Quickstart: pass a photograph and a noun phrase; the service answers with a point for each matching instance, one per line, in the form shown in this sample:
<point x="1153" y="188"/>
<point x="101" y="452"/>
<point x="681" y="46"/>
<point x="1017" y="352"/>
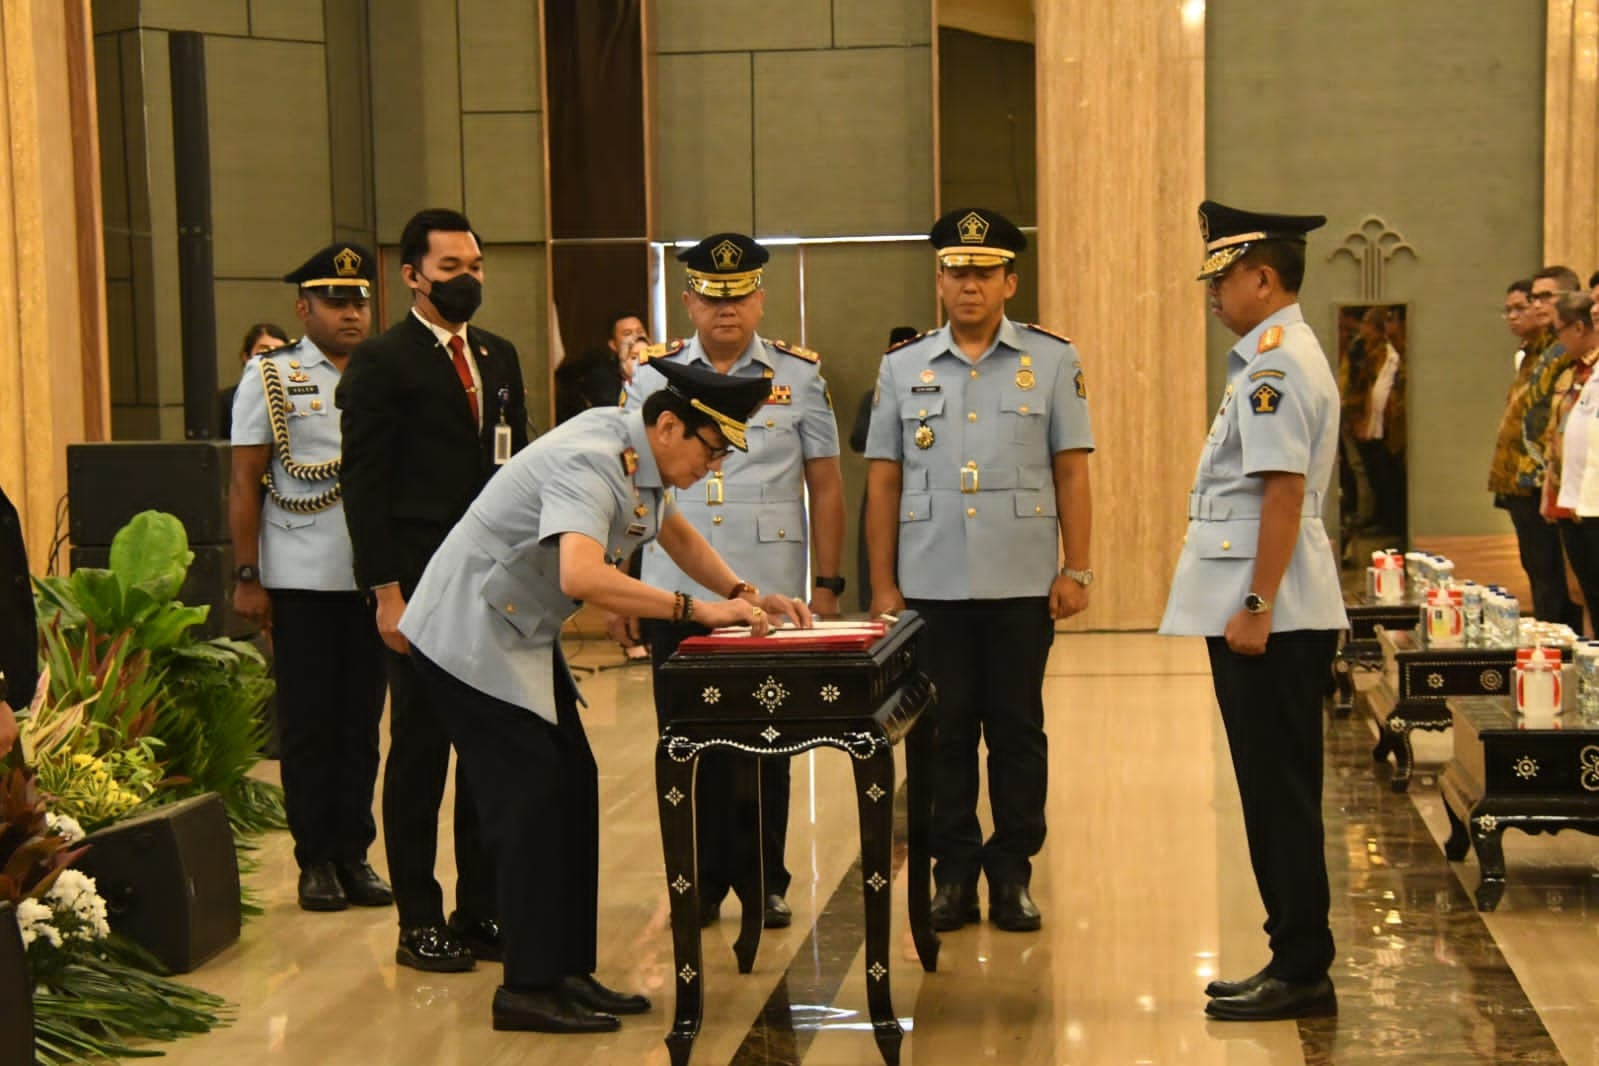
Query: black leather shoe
<point x="482" y="937"/>
<point x="319" y="889"/>
<point x="1013" y="909"/>
<point x="953" y="907"/>
<point x="777" y="915"/>
<point x="548" y="1010"/>
<point x="433" y="948"/>
<point x="1272" y="999"/>
<point x="362" y="885"/>
<point x="587" y="992"/>
<point x="1217" y="989"/>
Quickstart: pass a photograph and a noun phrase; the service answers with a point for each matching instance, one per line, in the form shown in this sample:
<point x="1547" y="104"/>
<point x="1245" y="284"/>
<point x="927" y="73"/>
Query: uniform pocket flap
<point x="922" y="405"/>
<point x="288" y="519"/>
<point x="512" y="600"/>
<point x="915" y="506"/>
<point x="780" y="525"/>
<point x="1035" y="505"/>
<point x="1023" y="403"/>
<point x="1224" y="540"/>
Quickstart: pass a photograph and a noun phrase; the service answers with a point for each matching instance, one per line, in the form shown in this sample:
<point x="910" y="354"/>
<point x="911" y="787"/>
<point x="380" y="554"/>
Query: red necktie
<point x="464" y="372"/>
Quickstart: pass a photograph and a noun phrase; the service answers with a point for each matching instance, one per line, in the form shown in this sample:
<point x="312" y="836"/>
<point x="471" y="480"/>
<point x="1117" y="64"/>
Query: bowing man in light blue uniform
<point x="296" y="576"/>
<point x="753" y="513"/>
<point x="484" y="628"/>
<point x="978" y="488"/>
<point x="1257" y="578"/>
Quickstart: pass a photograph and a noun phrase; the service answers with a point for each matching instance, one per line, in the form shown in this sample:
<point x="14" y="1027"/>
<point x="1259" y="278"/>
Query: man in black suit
<point x="19" y="632"/>
<point x="430" y="409"/>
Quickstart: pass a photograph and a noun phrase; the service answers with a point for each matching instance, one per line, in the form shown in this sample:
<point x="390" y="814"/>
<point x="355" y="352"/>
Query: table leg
<point x="874" y="797"/>
<point x="1485" y="839"/>
<point x="674" y="787"/>
<point x="1459" y="842"/>
<point x="1404" y="759"/>
<point x="919" y="832"/>
<point x="1343" y="686"/>
<point x="750" y="881"/>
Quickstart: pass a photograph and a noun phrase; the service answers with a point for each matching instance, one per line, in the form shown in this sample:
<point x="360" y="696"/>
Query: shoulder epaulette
<point x="660" y="351"/>
<point x="1269" y="340"/>
<point x="796" y="351"/>
<point x="909" y="340"/>
<point x="1036" y="328"/>
<point x="291" y="348"/>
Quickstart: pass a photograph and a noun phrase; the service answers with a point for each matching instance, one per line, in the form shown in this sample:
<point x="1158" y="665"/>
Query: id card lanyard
<point x="502" y="432"/>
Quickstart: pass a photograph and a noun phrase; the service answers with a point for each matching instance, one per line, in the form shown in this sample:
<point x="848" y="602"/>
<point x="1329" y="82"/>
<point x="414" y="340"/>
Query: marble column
<point x="53" y="373"/>
<point x="1571" y="136"/>
<point x="1121" y="171"/>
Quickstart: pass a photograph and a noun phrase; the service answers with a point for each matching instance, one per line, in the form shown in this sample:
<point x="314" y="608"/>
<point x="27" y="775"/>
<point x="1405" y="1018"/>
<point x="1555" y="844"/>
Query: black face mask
<point x="458" y="299"/>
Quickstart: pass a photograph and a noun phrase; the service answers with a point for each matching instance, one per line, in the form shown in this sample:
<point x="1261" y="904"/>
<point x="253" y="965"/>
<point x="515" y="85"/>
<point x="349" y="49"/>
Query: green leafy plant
<point x="119" y="639"/>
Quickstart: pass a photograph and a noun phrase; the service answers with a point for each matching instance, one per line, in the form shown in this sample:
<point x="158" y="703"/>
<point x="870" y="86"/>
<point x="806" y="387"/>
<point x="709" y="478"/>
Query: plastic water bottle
<point x="1471" y="607"/>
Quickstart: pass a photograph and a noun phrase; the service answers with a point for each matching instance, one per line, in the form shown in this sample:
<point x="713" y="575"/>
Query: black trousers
<point x="1271" y="708"/>
<point x="987" y="658"/>
<point x="717" y="840"/>
<point x="1581" y="541"/>
<point x="1386" y="472"/>
<point x="1544" y="562"/>
<point x="538" y="794"/>
<point x="328" y="665"/>
<point x="413" y="789"/>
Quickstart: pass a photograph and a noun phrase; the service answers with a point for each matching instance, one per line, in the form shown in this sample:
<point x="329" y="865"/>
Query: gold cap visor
<point x="341" y="283"/>
<point x="1217" y="262"/>
<point x="969" y="256"/>
<point x="731" y="428"/>
<point x="724" y="286"/>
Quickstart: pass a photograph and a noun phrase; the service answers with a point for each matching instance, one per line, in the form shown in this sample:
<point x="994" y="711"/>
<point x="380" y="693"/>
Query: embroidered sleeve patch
<point x="1082" y="388"/>
<point x="1268" y="373"/>
<point x="1265" y="399"/>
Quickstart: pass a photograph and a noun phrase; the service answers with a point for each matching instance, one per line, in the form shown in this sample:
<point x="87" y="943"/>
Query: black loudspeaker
<point x="110" y="482"/>
<point x="170" y="880"/>
<point x="209" y="583"/>
<point x="16" y="995"/>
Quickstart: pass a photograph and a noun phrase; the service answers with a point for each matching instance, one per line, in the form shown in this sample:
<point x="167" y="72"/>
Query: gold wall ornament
<point x="1372" y="245"/>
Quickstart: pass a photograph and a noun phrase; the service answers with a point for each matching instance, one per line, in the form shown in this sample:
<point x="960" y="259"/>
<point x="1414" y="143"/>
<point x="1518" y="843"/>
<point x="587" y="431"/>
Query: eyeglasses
<point x="716" y="452"/>
<point x="1542" y="297"/>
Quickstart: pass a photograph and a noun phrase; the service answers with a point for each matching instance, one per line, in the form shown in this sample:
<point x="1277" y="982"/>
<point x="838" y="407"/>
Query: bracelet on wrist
<point x="742" y="587"/>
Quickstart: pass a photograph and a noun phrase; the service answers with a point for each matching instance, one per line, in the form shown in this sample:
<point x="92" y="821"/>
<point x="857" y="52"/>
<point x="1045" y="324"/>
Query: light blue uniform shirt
<point x="754" y="513"/>
<point x="977" y="514"/>
<point x="298" y="551"/>
<point x="489" y="607"/>
<point x="1280" y="412"/>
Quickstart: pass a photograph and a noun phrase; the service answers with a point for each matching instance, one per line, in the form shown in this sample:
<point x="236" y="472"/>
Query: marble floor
<point x="1144" y="884"/>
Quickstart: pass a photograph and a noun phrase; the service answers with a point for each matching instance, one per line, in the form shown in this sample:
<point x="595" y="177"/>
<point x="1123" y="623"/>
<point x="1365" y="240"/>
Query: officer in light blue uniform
<point x="1257" y="578"/>
<point x="979" y="444"/>
<point x="753" y="512"/>
<point x="484" y="629"/>
<point x="296" y="575"/>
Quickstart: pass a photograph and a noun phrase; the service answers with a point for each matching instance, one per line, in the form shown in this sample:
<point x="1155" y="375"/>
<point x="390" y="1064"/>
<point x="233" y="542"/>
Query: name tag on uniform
<point x="636" y="529"/>
<point x="927" y="388"/>
<point x="301" y="390"/>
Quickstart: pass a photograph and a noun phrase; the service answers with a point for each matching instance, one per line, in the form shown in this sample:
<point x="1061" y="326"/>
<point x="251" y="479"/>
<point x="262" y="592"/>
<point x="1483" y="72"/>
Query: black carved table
<point x="1417" y="680"/>
<point x="1360" y="648"/>
<point x="1504" y="777"/>
<point x="775" y="698"/>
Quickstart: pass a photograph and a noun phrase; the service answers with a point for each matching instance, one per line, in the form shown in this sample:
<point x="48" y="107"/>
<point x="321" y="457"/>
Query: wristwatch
<point x="247" y="573"/>
<point x="1082" y="577"/>
<point x="835" y="585"/>
<point x="1255" y="603"/>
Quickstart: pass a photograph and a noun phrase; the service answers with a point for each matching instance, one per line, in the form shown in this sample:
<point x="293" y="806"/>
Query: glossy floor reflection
<point x="1145" y="888"/>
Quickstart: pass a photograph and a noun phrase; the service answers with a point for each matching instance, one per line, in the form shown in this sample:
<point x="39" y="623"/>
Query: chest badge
<point x="1025" y="379"/>
<point x="781" y="394"/>
<point x="924" y="436"/>
<point x="629" y="462"/>
<point x="640" y="511"/>
<point x="927" y="376"/>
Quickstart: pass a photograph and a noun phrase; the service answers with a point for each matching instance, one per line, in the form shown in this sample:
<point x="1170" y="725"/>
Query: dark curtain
<point x="595" y="111"/>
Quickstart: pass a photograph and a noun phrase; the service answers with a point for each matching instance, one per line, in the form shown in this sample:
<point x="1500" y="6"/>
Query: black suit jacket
<point x="19" y="634"/>
<point x="413" y="459"/>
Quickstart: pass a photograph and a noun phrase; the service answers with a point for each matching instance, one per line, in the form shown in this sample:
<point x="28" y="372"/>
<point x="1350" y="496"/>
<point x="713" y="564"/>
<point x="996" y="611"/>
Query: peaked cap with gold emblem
<point x="729" y="400"/>
<point x="724" y="266"/>
<point x="339" y="272"/>
<point x="974" y="236"/>
<point x="1228" y="232"/>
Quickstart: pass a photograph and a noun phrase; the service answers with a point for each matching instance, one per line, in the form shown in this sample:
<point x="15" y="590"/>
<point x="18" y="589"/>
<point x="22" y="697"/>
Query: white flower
<point x="34" y="919"/>
<point x="77" y="901"/>
<point x="65" y="826"/>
